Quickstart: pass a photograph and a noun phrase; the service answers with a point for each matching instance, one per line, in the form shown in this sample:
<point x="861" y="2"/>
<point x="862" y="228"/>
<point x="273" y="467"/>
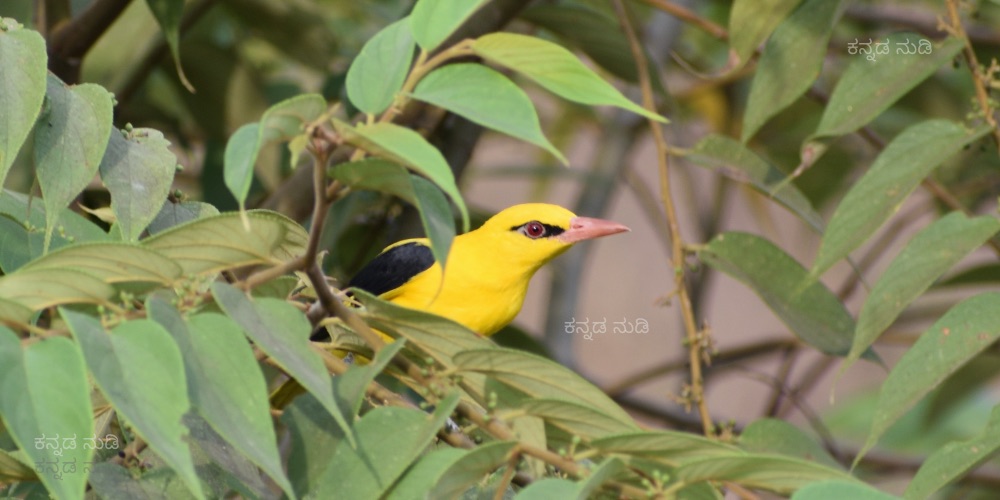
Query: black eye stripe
<point x="550" y="230"/>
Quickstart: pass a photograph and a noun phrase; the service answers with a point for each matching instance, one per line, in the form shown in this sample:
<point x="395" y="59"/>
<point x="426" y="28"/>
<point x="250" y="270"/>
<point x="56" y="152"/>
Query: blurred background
<point x="241" y="56"/>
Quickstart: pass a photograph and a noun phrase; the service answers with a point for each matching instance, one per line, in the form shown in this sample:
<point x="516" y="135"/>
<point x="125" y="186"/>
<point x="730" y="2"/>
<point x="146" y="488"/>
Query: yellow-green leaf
<point x="212" y="244"/>
<point x="554" y="68"/>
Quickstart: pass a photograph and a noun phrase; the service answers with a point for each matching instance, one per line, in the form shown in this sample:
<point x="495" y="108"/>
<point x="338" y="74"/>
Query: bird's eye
<point x="533" y="229"/>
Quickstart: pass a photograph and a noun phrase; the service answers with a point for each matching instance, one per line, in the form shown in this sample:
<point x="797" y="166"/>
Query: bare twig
<point x="688" y="16"/>
<point x="788" y="358"/>
<point x="815" y="422"/>
<point x="694" y="335"/>
<point x="69" y="42"/>
<point x="979" y="78"/>
<point x="719" y="361"/>
<point x="917" y="19"/>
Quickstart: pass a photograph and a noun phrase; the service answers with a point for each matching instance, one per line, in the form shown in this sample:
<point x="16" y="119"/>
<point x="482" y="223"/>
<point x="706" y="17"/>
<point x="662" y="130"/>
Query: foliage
<point x="157" y="345"/>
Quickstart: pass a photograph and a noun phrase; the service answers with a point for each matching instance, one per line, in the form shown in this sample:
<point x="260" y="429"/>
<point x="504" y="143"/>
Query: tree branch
<point x="71" y="41"/>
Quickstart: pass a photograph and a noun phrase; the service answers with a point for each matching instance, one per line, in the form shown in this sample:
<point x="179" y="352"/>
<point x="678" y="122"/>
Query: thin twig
<point x="719" y="361"/>
<point x="71" y="41"/>
<point x="979" y="79"/>
<point x="694" y="335"/>
<point x="789" y="356"/>
<point x="815" y="422"/>
<point x="688" y="16"/>
<point x="807" y="383"/>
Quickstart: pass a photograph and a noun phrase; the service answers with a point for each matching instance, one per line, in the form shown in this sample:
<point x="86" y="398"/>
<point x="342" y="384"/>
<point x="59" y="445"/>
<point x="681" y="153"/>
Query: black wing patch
<point x="392" y="268"/>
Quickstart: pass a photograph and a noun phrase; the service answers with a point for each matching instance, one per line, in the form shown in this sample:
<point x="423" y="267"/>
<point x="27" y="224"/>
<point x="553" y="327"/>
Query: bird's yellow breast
<point x="480" y="290"/>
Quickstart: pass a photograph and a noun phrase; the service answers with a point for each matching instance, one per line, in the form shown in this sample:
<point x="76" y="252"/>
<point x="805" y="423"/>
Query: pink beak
<point x="586" y="228"/>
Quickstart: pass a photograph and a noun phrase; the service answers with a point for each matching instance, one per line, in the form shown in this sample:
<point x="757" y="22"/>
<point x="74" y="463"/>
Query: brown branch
<point x="719" y="361"/>
<point x="69" y="42"/>
<point x="813" y="418"/>
<point x="979" y="78"/>
<point x="688" y="16"/>
<point x="807" y="383"/>
<point x="788" y="358"/>
<point x="922" y="21"/>
<point x="695" y="337"/>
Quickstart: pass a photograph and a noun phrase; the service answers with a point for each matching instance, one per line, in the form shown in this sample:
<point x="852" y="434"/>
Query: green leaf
<point x="380" y="175"/>
<point x="22" y="230"/>
<point x="19" y="244"/>
<point x="281" y="122"/>
<point x="46" y="401"/>
<point x="770" y="435"/>
<point x="734" y="160"/>
<point x="12" y="469"/>
<point x="289" y="118"/>
<point x="962" y="333"/>
<point x="433" y="21"/>
<point x="575" y="418"/>
<point x="879" y="194"/>
<point x="111" y="263"/>
<point x="437" y="337"/>
<point x="775" y="473"/>
<point x="599" y="36"/>
<point x="752" y="21"/>
<point x="867" y="88"/>
<point x="539" y="378"/>
<point x="810" y="310"/>
<point x="168" y="14"/>
<point x="789" y="64"/>
<point x="140" y="370"/>
<point x="954" y="460"/>
<point x="486" y="97"/>
<point x="926" y="257"/>
<point x="669" y="447"/>
<point x="471" y="468"/>
<point x="282" y="332"/>
<point x="221" y="466"/>
<point x="554" y="68"/>
<point x="435" y="216"/>
<point x="549" y="487"/>
<point x="225" y="384"/>
<point x="174" y="214"/>
<point x="975" y="275"/>
<point x="349" y="388"/>
<point x="406" y="147"/>
<point x="598" y="476"/>
<point x="110" y="480"/>
<point x="73" y="129"/>
<point x="15" y="312"/>
<point x="239" y="160"/>
<point x="22" y="87"/>
<point x="212" y="244"/>
<point x="421" y="478"/>
<point x="21" y="207"/>
<point x="839" y="490"/>
<point x="42" y="288"/>
<point x="313" y="435"/>
<point x="390" y="437"/>
<point x="380" y="69"/>
<point x="138" y="170"/>
<point x="303" y="31"/>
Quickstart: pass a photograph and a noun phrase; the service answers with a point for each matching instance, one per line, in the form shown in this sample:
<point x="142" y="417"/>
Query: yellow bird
<point x="488" y="269"/>
<point x="487" y="272"/>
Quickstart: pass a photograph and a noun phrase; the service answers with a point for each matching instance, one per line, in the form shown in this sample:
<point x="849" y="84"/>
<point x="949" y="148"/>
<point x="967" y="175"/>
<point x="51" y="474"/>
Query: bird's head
<point x="535" y="233"/>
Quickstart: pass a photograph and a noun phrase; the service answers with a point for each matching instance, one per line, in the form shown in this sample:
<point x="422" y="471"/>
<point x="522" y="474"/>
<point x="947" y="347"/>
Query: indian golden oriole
<point x="487" y="272"/>
<point x="488" y="269"/>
